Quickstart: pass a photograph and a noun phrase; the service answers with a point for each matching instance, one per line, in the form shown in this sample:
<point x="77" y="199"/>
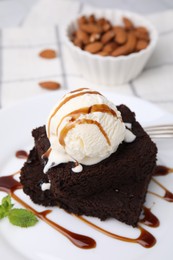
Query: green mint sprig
<point x="17" y="217"/>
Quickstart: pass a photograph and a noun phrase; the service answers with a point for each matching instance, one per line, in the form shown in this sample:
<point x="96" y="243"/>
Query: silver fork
<point x="160" y="131"/>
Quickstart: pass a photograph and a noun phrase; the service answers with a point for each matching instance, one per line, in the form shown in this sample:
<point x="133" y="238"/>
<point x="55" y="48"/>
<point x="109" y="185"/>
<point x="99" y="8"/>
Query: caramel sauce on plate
<point x="145" y="238"/>
<point x="162" y="170"/>
<point x="149" y="218"/>
<point x="168" y="196"/>
<point x="9" y="185"/>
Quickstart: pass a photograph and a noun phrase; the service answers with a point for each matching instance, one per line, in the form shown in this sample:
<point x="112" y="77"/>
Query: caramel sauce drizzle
<point x="168" y="196"/>
<point x="149" y="218"/>
<point x="85" y="110"/>
<point x="145" y="239"/>
<point x="47" y="153"/>
<point x="68" y="98"/>
<point x="88" y="110"/>
<point x="77" y="90"/>
<point x="162" y="170"/>
<point x="68" y="127"/>
<point x="9" y="185"/>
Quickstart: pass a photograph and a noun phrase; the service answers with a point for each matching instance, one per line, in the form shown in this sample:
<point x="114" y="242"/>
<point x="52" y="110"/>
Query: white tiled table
<point x="16" y="13"/>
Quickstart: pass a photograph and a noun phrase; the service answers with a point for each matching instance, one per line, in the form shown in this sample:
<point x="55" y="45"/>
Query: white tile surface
<point x="30" y="37"/>
<point x="25" y="63"/>
<point x="52" y="12"/>
<point x="13" y="12"/>
<point x="155" y="84"/>
<point x="25" y="88"/>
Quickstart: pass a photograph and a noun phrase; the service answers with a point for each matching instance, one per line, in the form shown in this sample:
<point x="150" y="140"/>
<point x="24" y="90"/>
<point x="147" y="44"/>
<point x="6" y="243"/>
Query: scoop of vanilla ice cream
<point x="84" y="127"/>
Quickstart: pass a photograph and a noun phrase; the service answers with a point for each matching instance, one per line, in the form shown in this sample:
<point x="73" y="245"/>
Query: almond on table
<point x="50" y="85"/>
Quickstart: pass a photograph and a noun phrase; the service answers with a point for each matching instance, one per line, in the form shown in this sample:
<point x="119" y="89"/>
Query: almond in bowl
<point x="100" y="36"/>
<point x="111" y="47"/>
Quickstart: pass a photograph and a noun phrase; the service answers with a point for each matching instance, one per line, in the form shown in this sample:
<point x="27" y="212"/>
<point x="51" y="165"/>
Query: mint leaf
<point x="2" y="212"/>
<point x="18" y="217"/>
<point x="22" y="218"/>
<point x="5" y="207"/>
<point x="6" y="203"/>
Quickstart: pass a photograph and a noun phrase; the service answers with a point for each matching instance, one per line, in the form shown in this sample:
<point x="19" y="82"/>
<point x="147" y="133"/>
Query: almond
<point x="82" y="36"/>
<point x="127" y="48"/>
<point x="82" y="20"/>
<point x="107" y="26"/>
<point x="141" y="44"/>
<point x="91" y="28"/>
<point x="94" y="37"/>
<point x="92" y="18"/>
<point x="110" y="47"/>
<point x="50" y="85"/>
<point x="99" y="36"/>
<point x="101" y="21"/>
<point x="128" y="24"/>
<point x="142" y="29"/>
<point x="120" y="35"/>
<point x="94" y="47"/>
<point x="102" y="53"/>
<point x="48" y="54"/>
<point x="78" y="43"/>
<point x="141" y="34"/>
<point x="107" y="36"/>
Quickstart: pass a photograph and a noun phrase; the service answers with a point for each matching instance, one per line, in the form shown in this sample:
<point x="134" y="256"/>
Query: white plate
<point x="42" y="242"/>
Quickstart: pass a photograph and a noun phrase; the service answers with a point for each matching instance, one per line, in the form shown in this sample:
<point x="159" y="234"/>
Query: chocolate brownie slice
<point x="115" y="187"/>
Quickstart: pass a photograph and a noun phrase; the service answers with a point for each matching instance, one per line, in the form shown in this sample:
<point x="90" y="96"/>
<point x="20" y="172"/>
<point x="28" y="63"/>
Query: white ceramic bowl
<point x="112" y="70"/>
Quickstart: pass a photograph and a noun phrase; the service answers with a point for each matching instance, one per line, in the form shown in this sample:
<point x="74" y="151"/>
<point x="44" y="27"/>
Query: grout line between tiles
<point x="64" y="78"/>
